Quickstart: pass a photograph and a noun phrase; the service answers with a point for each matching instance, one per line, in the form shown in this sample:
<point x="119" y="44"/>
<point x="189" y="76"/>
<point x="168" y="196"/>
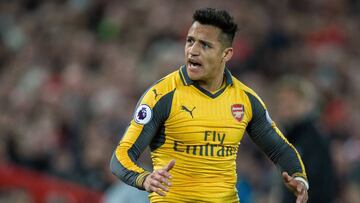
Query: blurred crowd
<point x="71" y="72"/>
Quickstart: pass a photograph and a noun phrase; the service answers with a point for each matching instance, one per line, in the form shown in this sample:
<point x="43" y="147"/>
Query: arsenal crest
<point x="238" y="111"/>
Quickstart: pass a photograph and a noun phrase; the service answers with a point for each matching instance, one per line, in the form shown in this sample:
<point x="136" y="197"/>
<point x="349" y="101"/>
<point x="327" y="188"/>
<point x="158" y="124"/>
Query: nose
<point x="194" y="49"/>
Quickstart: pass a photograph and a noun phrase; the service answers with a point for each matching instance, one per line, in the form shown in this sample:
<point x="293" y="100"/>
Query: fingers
<point x="286" y="177"/>
<point x="158" y="181"/>
<point x="158" y="191"/>
<point x="170" y="165"/>
<point x="300" y="191"/>
<point x="302" y="196"/>
<point x="289" y="182"/>
<point x="164" y="173"/>
<point x="161" y="178"/>
<point x="158" y="184"/>
<point x="297" y="187"/>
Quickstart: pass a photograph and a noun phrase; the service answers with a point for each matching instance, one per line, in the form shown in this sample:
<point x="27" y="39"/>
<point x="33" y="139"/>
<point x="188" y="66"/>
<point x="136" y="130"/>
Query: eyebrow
<point x="201" y="41"/>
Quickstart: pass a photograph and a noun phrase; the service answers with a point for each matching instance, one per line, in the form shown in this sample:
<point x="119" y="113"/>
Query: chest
<point x="196" y="118"/>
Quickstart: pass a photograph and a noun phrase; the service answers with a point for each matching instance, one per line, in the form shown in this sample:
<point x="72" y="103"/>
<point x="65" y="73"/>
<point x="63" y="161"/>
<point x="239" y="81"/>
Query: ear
<point x="227" y="54"/>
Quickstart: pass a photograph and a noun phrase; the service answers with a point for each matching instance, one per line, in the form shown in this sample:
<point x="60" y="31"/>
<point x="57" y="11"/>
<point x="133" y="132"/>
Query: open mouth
<point x="194" y="64"/>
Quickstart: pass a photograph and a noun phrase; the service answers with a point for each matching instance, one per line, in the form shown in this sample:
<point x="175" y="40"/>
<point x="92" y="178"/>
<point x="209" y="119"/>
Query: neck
<point x="212" y="84"/>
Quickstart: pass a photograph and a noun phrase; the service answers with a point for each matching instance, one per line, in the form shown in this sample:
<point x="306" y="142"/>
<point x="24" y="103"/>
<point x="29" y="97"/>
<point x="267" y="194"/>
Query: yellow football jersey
<point x="201" y="130"/>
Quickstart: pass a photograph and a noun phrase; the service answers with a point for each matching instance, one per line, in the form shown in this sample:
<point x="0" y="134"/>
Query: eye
<point x="205" y="45"/>
<point x="190" y="40"/>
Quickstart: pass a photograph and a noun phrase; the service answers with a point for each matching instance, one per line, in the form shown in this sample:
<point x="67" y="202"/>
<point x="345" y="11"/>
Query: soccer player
<point x="297" y="102"/>
<point x="194" y="119"/>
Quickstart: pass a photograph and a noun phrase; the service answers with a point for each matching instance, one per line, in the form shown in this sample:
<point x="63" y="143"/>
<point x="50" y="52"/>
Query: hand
<point x="297" y="187"/>
<point x="158" y="181"/>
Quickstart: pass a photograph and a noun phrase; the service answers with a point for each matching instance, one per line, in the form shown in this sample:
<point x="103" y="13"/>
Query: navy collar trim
<point x="187" y="81"/>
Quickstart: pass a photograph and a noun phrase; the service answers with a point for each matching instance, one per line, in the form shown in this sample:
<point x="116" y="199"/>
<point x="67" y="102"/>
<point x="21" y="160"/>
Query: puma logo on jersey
<point x="156" y="94"/>
<point x="189" y="111"/>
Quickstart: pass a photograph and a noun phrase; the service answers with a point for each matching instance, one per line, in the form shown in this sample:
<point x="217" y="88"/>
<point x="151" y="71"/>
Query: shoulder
<point x="157" y="99"/>
<point x="167" y="83"/>
<point x="161" y="89"/>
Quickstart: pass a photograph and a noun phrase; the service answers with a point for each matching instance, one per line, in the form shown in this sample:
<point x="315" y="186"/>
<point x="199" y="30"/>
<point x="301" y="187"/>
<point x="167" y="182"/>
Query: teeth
<point x="193" y="65"/>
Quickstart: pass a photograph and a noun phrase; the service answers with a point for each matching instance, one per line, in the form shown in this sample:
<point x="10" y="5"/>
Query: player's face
<point x="205" y="55"/>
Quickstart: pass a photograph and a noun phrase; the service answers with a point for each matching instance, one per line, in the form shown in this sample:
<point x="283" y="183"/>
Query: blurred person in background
<point x="353" y="187"/>
<point x="297" y="111"/>
<point x="123" y="193"/>
<point x="202" y="134"/>
<point x="15" y="195"/>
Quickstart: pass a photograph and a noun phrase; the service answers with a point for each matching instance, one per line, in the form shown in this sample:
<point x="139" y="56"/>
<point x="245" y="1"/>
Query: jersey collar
<point x="187" y="81"/>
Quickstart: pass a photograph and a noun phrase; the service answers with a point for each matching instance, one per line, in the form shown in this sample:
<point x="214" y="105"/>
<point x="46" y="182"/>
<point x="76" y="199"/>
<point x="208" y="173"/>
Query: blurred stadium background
<point x="71" y="72"/>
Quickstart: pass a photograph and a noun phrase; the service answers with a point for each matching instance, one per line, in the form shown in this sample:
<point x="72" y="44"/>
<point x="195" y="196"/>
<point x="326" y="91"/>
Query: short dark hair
<point x="220" y="19"/>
